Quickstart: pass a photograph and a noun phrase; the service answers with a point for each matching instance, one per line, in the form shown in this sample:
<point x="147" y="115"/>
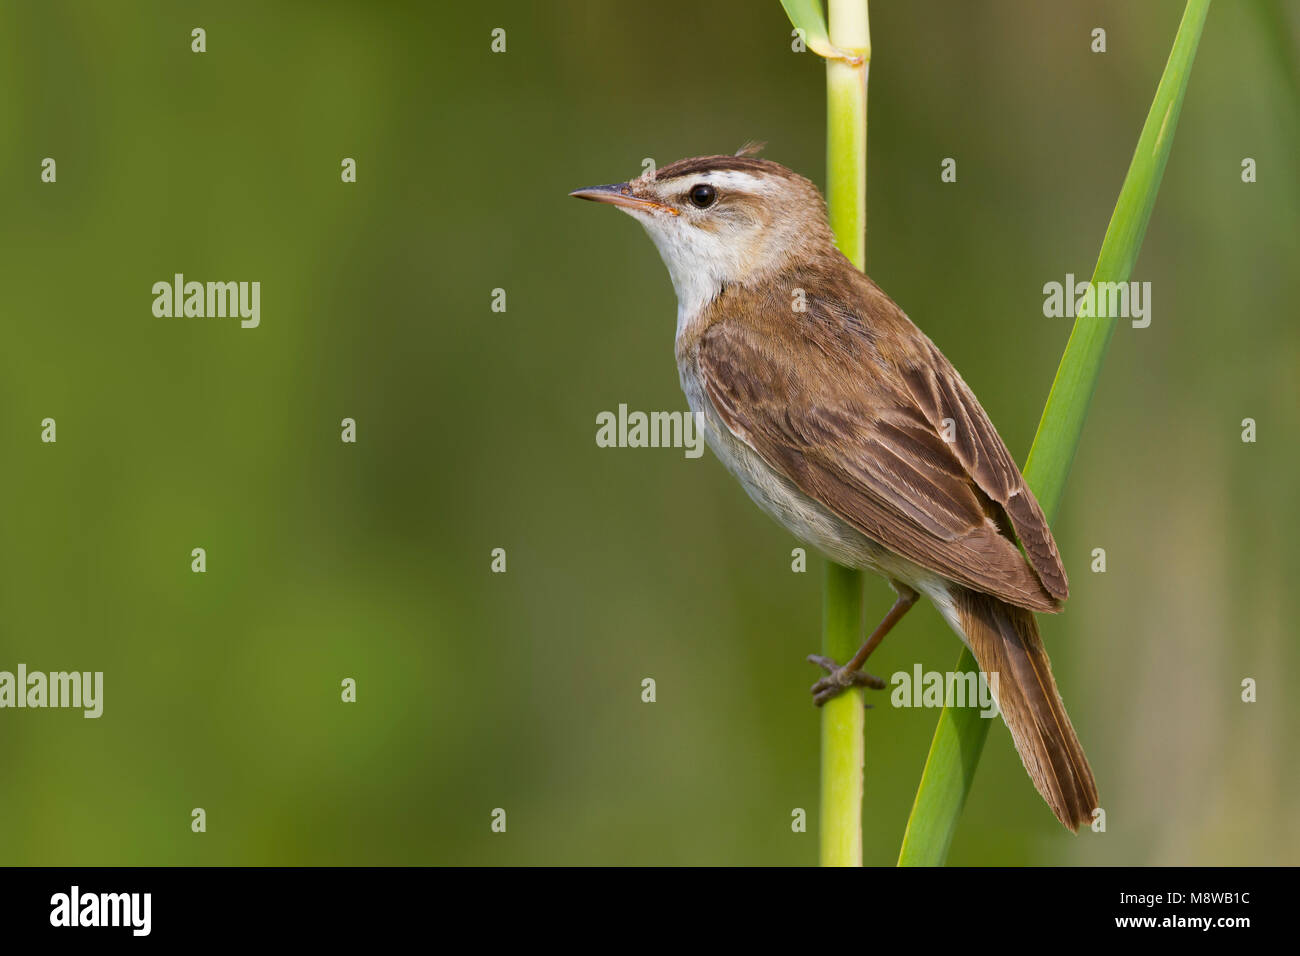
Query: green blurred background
<point x="476" y="431"/>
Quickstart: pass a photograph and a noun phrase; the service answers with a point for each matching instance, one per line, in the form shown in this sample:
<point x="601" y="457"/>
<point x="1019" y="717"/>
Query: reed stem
<point x="843" y="745"/>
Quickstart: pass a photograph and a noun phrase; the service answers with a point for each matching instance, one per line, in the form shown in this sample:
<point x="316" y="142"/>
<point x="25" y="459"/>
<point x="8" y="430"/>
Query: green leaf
<point x="961" y="732"/>
<point x="806" y="15"/>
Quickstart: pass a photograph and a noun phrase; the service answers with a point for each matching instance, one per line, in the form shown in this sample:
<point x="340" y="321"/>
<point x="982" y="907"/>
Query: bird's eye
<point x="702" y="196"/>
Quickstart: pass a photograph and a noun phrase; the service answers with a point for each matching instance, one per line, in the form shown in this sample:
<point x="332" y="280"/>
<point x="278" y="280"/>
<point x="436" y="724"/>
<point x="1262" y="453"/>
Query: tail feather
<point x="1005" y="641"/>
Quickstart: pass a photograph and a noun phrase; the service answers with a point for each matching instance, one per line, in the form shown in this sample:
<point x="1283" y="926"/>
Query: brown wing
<point x="941" y="394"/>
<point x="851" y="408"/>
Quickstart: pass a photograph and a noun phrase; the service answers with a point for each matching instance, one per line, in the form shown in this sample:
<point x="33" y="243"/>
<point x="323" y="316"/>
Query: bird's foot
<point x="839" y="679"/>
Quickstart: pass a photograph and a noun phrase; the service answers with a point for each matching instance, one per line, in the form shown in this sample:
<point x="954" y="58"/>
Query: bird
<point x="843" y="421"/>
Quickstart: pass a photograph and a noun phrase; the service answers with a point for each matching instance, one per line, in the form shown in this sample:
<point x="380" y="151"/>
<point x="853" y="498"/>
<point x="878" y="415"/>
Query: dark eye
<point x="703" y="196"/>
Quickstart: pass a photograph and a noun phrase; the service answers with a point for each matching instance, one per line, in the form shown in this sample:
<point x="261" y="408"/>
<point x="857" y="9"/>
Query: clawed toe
<point x="839" y="679"/>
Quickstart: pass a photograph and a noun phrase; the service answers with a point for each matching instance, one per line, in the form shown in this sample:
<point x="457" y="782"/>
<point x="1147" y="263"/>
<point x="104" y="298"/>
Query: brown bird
<point x="844" y="422"/>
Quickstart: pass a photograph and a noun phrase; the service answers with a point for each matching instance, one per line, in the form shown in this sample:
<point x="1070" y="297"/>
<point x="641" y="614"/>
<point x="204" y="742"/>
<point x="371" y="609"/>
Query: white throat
<point x="697" y="264"/>
<point x="702" y="258"/>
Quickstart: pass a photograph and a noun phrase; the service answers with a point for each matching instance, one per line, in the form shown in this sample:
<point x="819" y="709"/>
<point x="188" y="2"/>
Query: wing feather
<point x="863" y="434"/>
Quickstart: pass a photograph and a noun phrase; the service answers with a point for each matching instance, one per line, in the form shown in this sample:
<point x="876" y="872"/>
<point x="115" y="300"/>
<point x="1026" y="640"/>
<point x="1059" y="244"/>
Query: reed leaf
<point x="961" y="732"/>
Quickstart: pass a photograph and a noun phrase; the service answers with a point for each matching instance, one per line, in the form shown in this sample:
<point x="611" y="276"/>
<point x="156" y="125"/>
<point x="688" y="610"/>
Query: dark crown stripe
<point x="710" y="164"/>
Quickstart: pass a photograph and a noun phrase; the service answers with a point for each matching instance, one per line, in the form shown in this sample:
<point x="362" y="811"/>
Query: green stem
<point x="843" y="747"/>
<point x="843" y="724"/>
<point x="846" y="130"/>
<point x="961" y="732"/>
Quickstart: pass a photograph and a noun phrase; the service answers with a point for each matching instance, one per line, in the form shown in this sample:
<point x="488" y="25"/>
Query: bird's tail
<point x="1005" y="641"/>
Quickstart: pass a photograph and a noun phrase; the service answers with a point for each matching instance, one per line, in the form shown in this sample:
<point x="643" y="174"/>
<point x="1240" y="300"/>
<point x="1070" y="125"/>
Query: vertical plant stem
<point x="846" y="129"/>
<point x="960" y="735"/>
<point x="843" y="747"/>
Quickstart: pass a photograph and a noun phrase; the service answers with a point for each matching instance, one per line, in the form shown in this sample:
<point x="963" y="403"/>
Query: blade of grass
<point x="961" y="732"/>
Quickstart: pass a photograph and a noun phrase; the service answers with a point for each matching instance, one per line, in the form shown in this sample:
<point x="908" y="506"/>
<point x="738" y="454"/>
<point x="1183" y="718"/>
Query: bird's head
<point x="722" y="220"/>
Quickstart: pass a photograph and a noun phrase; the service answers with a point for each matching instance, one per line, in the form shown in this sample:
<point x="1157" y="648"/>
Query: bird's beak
<point x="620" y="194"/>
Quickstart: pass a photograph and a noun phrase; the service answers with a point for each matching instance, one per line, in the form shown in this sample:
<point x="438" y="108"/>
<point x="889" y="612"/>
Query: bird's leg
<point x="840" y="679"/>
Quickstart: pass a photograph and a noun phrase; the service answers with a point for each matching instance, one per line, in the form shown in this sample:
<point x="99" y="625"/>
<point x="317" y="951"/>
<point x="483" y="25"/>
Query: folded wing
<point x="877" y="426"/>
